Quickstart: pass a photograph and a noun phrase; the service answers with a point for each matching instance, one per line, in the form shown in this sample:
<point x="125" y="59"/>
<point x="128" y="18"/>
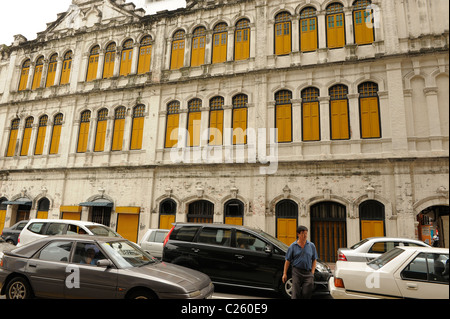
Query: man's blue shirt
<point x="301" y="260"/>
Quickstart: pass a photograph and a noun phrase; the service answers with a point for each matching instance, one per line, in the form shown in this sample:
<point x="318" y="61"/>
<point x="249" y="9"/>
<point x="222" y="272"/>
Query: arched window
<point x="145" y="54"/>
<point x="27" y="136"/>
<point x="110" y="57"/>
<point x="216" y="120"/>
<point x="335" y="26"/>
<point x="310" y="114"/>
<point x="283" y="116"/>
<point x="234" y="212"/>
<point x="38" y="73"/>
<point x="283" y="33"/>
<point x="167" y="213"/>
<point x="172" y="124"/>
<point x="308" y="29"/>
<point x="43" y="120"/>
<point x="67" y="66"/>
<point x="119" y="128"/>
<point x="138" y="127"/>
<point x="201" y="211"/>
<point x="242" y="40"/>
<point x="198" y="46"/>
<point x="100" y="135"/>
<point x="56" y="133"/>
<point x="194" y="122"/>
<point x="220" y="40"/>
<point x="286" y="212"/>
<point x="24" y="75"/>
<point x="369" y="110"/>
<point x="83" y="134"/>
<point x="362" y="22"/>
<point x="177" y="50"/>
<point x="127" y="57"/>
<point x="43" y="208"/>
<point x="93" y="64"/>
<point x="371" y="215"/>
<point x="240" y="102"/>
<point x="51" y="70"/>
<point x="13" y="138"/>
<point x="340" y="123"/>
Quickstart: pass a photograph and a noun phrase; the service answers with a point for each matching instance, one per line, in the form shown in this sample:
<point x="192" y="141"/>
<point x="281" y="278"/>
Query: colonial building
<point x="269" y="113"/>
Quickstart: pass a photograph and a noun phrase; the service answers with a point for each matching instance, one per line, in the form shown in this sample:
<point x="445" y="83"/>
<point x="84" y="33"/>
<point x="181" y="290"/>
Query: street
<point x="226" y="292"/>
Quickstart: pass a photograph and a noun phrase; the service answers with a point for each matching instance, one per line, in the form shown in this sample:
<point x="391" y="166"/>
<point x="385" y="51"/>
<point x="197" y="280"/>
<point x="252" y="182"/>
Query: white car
<point x="39" y="228"/>
<point x="152" y="241"/>
<point x="403" y="272"/>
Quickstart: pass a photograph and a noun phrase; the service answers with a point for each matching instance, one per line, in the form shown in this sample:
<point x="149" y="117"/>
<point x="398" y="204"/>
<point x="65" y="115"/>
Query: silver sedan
<point x="95" y="267"/>
<point x="370" y="248"/>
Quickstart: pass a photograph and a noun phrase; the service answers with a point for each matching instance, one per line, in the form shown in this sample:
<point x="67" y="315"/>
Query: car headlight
<point x="194" y="294"/>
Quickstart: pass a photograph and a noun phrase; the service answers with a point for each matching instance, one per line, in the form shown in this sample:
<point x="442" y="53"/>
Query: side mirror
<point x="268" y="249"/>
<point x="104" y="263"/>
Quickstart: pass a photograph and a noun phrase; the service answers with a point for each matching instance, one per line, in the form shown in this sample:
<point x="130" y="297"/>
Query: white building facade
<point x="137" y="121"/>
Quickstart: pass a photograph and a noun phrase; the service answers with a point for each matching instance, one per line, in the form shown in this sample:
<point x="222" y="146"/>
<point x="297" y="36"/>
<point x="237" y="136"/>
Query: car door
<point x="154" y="243"/>
<point x="47" y="270"/>
<point x="424" y="277"/>
<point x="94" y="281"/>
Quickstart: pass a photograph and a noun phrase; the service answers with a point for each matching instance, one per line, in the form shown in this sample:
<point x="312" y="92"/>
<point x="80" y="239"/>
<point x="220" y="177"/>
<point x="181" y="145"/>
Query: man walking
<point x="302" y="254"/>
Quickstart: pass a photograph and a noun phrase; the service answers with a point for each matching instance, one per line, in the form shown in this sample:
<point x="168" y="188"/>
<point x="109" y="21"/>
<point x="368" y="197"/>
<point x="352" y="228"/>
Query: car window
<point x="249" y="242"/>
<point x="55" y="229"/>
<point x="126" y="254"/>
<point x="359" y="244"/>
<point x="157" y="237"/>
<point x="427" y="267"/>
<point x="74" y="229"/>
<point x="56" y="251"/>
<point x="102" y="231"/>
<point x="184" y="233"/>
<point x="385" y="258"/>
<point x="87" y="253"/>
<point x="20" y="226"/>
<point x="215" y="236"/>
<point x="383" y="246"/>
<point x="412" y="244"/>
<point x="37" y="228"/>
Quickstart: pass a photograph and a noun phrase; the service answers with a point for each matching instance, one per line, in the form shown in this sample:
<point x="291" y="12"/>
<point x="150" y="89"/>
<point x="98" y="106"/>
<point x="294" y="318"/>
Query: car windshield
<point x="102" y="231"/>
<point x="274" y="240"/>
<point x="385" y="258"/>
<point x="362" y="242"/>
<point x="127" y="255"/>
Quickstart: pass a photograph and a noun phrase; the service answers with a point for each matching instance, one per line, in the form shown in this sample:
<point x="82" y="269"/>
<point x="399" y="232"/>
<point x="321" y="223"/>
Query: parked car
<point x="40" y="228"/>
<point x="84" y="266"/>
<point x="370" y="248"/>
<point x="11" y="234"/>
<point x="235" y="255"/>
<point x="152" y="241"/>
<point x="403" y="272"/>
<point x="5" y="246"/>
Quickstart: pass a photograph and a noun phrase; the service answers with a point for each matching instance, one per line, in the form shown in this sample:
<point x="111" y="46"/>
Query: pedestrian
<point x="302" y="255"/>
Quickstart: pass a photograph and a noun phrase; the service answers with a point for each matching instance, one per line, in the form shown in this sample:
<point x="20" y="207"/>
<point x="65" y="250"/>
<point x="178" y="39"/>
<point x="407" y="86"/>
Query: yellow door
<point x="119" y="128"/>
<point x="363" y="33"/>
<point x="145" y="55"/>
<point x="172" y="129"/>
<point x="372" y="228"/>
<point x="83" y="137"/>
<point x="100" y="136"/>
<point x="308" y="38"/>
<point x="92" y="68"/>
<point x="166" y="221"/>
<point x="24" y="78"/>
<point x="37" y="77"/>
<point x="125" y="65"/>
<point x="284" y="123"/>
<point x="194" y="128"/>
<point x="71" y="215"/>
<point x="242" y="44"/>
<point x="216" y="127"/>
<point x="311" y="126"/>
<point x="239" y="126"/>
<point x="370" y="120"/>
<point x="339" y="120"/>
<point x="287" y="230"/>
<point x="128" y="225"/>
<point x="234" y="221"/>
<point x="335" y="30"/>
<point x="26" y="141"/>
<point x="220" y="47"/>
<point x="2" y="219"/>
<point x="137" y="133"/>
<point x="177" y="54"/>
<point x="42" y="215"/>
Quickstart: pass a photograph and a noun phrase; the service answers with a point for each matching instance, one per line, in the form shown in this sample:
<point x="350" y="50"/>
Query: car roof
<point x="77" y="237"/>
<point x="393" y="239"/>
<point x="217" y="225"/>
<point x="63" y="221"/>
<point x="427" y="249"/>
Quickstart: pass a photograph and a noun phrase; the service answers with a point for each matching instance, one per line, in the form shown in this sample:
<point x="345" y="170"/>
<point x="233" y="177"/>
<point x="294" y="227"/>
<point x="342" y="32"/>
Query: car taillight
<point x="168" y="236"/>
<point x="18" y="239"/>
<point x="338" y="283"/>
<point x="342" y="257"/>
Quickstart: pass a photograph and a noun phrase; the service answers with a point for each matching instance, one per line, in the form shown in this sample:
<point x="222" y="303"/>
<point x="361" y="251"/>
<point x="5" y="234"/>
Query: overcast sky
<point x="28" y="17"/>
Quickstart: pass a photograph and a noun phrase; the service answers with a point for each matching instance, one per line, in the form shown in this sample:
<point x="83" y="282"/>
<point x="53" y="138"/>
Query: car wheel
<point x="10" y="241"/>
<point x="18" y="288"/>
<point x="141" y="294"/>
<point x="286" y="288"/>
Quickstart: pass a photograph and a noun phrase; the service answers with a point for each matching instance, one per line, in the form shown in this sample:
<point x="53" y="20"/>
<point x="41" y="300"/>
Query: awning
<point x="97" y="204"/>
<point x="20" y="201"/>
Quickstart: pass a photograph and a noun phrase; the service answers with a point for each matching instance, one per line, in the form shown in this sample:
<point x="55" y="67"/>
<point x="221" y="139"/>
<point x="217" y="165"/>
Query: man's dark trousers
<point x="302" y="283"/>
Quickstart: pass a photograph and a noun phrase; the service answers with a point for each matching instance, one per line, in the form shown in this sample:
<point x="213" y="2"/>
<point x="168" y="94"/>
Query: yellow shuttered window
<point x="198" y="46"/>
<point x="66" y="67"/>
<point x="38" y="73"/>
<point x="137" y="131"/>
<point x="220" y="40"/>
<point x="93" y="64"/>
<point x="56" y="134"/>
<point x="194" y="122"/>
<point x="310" y="115"/>
<point x="172" y="124"/>
<point x="100" y="134"/>
<point x="145" y="55"/>
<point x="39" y="150"/>
<point x="177" y="50"/>
<point x="24" y="75"/>
<point x="27" y="136"/>
<point x="362" y="22"/>
<point x="110" y="58"/>
<point x="51" y="72"/>
<point x="83" y="134"/>
<point x="283" y="33"/>
<point x="127" y="58"/>
<point x="167" y="212"/>
<point x="335" y="26"/>
<point x="216" y="120"/>
<point x="308" y="29"/>
<point x="240" y="119"/>
<point x="283" y="110"/>
<point x="119" y="128"/>
<point x="369" y="110"/>
<point x="242" y="40"/>
<point x="13" y="138"/>
<point x="339" y="112"/>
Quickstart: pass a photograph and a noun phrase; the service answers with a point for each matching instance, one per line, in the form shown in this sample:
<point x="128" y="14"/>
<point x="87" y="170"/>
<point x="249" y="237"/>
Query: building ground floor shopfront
<point x="340" y="202"/>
